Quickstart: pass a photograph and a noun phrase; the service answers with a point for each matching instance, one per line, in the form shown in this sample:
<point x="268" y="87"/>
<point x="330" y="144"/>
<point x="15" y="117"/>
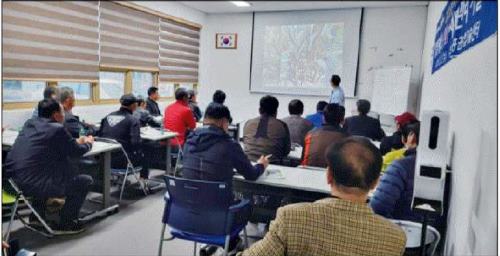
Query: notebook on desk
<point x="274" y="173"/>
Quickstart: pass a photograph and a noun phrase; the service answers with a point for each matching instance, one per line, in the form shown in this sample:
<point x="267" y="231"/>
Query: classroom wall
<point x="384" y="31"/>
<point x="467" y="88"/>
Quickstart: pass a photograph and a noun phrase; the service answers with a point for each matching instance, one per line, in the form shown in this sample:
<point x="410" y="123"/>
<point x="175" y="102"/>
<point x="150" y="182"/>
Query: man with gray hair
<point x="71" y="122"/>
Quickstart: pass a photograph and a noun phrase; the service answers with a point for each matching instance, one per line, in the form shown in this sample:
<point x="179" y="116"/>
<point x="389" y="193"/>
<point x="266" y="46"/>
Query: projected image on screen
<point x="297" y="52"/>
<point x="302" y="55"/>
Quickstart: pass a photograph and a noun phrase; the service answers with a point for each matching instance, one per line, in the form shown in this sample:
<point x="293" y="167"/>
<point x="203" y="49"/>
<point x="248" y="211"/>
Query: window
<point x="111" y="85"/>
<point x="186" y="86"/>
<point x="81" y="89"/>
<point x="23" y="91"/>
<point x="166" y="89"/>
<point x="141" y="81"/>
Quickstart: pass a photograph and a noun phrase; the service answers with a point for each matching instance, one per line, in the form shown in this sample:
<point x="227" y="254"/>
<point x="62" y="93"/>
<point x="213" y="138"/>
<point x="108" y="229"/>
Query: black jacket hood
<point x="203" y="138"/>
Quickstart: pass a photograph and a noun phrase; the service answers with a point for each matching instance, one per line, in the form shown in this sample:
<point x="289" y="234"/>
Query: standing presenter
<point x="337" y="95"/>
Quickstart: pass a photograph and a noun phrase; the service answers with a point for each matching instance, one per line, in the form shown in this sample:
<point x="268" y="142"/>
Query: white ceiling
<point x="228" y="7"/>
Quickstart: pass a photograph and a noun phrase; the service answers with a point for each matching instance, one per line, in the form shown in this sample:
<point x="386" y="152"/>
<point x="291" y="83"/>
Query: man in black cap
<point x="122" y="126"/>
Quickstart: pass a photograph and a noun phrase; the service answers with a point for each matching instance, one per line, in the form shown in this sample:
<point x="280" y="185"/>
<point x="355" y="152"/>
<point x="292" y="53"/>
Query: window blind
<point x="179" y="51"/>
<point x="128" y="38"/>
<point x="50" y="41"/>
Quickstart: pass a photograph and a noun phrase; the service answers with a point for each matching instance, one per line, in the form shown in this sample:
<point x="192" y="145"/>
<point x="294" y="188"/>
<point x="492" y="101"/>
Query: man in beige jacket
<point x="342" y="224"/>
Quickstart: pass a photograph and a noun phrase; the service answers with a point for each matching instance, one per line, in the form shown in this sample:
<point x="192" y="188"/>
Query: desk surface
<point x="231" y="126"/>
<point x="296" y="153"/>
<point x="149" y="133"/>
<point x="293" y="177"/>
<point x="9" y="137"/>
<point x="101" y="147"/>
<point x="300" y="178"/>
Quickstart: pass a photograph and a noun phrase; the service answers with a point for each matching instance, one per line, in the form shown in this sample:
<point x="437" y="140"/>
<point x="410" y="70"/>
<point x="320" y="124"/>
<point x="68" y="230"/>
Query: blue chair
<point x="201" y="211"/>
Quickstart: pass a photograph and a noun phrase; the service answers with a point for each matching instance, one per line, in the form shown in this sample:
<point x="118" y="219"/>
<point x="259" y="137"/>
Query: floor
<point x="134" y="230"/>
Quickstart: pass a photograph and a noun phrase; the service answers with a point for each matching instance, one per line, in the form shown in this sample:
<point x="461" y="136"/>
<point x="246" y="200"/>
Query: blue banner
<point x="462" y="25"/>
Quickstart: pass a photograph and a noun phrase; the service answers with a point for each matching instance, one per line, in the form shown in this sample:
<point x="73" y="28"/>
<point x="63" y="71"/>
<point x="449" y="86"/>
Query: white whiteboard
<point x="390" y="90"/>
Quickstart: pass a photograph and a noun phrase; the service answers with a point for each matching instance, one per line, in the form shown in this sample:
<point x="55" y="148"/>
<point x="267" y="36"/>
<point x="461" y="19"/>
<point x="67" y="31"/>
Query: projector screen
<point x="297" y="52"/>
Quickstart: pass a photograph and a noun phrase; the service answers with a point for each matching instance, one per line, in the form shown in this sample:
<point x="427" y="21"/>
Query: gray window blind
<point x="179" y="51"/>
<point x="50" y="41"/>
<point x="128" y="38"/>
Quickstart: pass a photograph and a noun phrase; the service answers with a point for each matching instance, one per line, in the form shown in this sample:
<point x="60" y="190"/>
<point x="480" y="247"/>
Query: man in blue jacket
<point x="317" y="118"/>
<point x="393" y="196"/>
<point x="39" y="163"/>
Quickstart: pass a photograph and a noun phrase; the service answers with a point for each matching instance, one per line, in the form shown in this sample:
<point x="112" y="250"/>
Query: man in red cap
<point x="394" y="142"/>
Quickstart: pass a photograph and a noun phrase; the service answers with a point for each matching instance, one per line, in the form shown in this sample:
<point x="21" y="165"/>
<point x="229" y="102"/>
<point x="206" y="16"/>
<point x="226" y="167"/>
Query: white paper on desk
<point x="274" y="174"/>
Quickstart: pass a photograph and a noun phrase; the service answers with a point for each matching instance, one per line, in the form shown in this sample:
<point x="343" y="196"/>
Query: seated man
<point x="50" y="92"/>
<point x="409" y="138"/>
<point x="179" y="117"/>
<point x="39" y="162"/>
<point x="123" y="127"/>
<point x="211" y="147"/>
<point x="393" y="196"/>
<point x="317" y="118"/>
<point x="151" y="102"/>
<point x="143" y="115"/>
<point x="362" y="124"/>
<point x="298" y="126"/>
<point x="265" y="134"/>
<point x="193" y="105"/>
<point x="318" y="140"/>
<point x="211" y="154"/>
<point x="394" y="142"/>
<point x="343" y="224"/>
<point x="219" y="97"/>
<point x="72" y="123"/>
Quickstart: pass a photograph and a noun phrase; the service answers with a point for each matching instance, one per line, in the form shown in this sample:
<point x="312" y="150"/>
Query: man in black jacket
<point x="362" y="124"/>
<point x="39" y="162"/>
<point x="72" y="123"/>
<point x="143" y="115"/>
<point x="211" y="154"/>
<point x="123" y="127"/>
<point x="193" y="105"/>
<point x="151" y="103"/>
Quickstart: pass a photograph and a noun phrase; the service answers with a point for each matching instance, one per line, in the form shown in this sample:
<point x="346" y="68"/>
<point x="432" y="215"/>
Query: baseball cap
<point x="128" y="99"/>
<point x="405" y="118"/>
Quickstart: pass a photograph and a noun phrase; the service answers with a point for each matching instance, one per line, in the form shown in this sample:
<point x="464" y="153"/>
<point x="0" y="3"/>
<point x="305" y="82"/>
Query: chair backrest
<point x="196" y="206"/>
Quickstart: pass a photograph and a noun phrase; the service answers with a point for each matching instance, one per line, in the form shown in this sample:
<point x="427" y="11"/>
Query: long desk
<point x="154" y="134"/>
<point x="296" y="152"/>
<point x="296" y="184"/>
<point x="288" y="184"/>
<point x="98" y="148"/>
<point x="233" y="130"/>
<point x="298" y="178"/>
